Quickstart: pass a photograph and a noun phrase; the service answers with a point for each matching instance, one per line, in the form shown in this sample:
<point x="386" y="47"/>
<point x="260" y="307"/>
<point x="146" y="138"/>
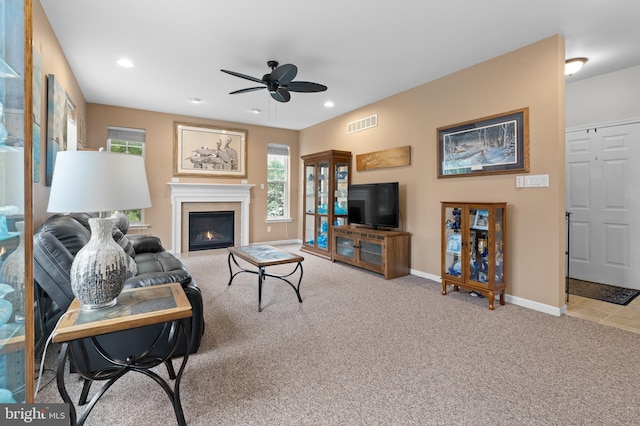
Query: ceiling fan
<point x="279" y="82"/>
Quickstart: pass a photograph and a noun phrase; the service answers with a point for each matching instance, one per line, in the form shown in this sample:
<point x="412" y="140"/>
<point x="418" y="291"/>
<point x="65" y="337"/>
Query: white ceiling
<point x="362" y="50"/>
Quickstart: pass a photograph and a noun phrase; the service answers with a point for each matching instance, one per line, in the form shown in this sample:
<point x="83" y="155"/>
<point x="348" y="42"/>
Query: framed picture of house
<point x="481" y="220"/>
<point x="490" y="145"/>
<point x="201" y="150"/>
<point x="454" y="243"/>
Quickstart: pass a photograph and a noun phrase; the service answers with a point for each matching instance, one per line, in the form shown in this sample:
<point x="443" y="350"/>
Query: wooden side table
<point x="162" y="304"/>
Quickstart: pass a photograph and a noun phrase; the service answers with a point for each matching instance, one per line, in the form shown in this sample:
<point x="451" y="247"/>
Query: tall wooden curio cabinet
<point x="16" y="219"/>
<point x="474" y="248"/>
<point x="327" y="176"/>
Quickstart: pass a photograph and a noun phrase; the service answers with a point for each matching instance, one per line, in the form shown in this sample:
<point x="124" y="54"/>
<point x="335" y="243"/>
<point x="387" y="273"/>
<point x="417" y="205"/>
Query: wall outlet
<point x="174" y="180"/>
<point x="268" y="229"/>
<point x="262" y="186"/>
<point x="519" y="181"/>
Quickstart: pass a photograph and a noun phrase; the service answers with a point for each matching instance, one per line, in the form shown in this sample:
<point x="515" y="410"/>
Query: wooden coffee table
<point x="262" y="256"/>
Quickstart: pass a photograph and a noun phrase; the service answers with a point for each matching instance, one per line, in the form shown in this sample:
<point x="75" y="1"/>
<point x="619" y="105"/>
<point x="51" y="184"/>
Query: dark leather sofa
<point x="55" y="244"/>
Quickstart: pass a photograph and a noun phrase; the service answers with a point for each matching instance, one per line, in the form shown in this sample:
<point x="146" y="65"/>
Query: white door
<point x="603" y="197"/>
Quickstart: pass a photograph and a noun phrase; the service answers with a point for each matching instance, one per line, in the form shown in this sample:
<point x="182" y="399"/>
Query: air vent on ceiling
<point x="365" y="123"/>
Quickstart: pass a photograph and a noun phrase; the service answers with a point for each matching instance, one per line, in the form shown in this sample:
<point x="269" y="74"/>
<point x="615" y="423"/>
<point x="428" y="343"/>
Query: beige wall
<point x="53" y="61"/>
<point x="159" y="164"/>
<point x="528" y="77"/>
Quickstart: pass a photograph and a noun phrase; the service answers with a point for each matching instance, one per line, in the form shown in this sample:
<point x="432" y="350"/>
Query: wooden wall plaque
<point x="394" y="157"/>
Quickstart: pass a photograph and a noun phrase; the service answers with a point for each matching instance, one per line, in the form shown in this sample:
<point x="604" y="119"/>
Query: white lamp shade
<point x="98" y="181"/>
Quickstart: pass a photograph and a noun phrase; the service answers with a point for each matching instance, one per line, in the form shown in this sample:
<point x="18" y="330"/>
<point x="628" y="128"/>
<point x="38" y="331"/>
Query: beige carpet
<point x="365" y="351"/>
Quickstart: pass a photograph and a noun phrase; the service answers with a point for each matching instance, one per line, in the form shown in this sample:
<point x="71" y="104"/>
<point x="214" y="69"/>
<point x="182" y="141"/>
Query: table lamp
<point x="100" y="182"/>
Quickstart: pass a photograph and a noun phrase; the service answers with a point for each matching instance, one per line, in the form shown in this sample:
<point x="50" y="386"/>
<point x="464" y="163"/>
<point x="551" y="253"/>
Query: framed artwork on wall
<point x="202" y="150"/>
<point x="490" y="145"/>
<point x="36" y="103"/>
<point x="56" y="124"/>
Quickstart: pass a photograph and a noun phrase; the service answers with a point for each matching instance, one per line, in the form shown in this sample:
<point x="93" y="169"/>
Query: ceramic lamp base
<point x="99" y="269"/>
<point x="91" y="307"/>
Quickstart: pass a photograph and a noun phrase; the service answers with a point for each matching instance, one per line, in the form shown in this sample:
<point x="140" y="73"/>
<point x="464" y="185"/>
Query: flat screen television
<point x="374" y="204"/>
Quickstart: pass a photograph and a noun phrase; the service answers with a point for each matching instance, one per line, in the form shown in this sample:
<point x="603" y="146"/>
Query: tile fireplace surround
<point x="210" y="196"/>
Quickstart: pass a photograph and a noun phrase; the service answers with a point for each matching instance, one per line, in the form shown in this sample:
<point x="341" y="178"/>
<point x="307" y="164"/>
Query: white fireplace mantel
<point x="208" y="193"/>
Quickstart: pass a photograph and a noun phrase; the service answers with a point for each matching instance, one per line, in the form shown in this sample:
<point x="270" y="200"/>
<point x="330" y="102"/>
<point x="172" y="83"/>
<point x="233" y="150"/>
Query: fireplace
<point x="189" y="197"/>
<point x="211" y="230"/>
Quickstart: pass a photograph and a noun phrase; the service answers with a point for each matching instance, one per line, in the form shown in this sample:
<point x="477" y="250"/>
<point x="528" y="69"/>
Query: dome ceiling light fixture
<point x="573" y="65"/>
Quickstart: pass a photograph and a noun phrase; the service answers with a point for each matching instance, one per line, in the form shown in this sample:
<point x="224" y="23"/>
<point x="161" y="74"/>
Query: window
<point x="278" y="181"/>
<point x="128" y="141"/>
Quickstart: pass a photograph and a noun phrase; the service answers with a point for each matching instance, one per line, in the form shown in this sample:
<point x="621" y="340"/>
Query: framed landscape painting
<point x="201" y="150"/>
<point x="490" y="145"/>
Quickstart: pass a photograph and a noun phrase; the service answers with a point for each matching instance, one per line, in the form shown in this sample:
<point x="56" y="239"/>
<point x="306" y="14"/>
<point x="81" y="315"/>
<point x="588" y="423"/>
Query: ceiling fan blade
<point x="305" y="87"/>
<point x="284" y="73"/>
<point x="247" y="77"/>
<point x="248" y="89"/>
<point x="281" y="95"/>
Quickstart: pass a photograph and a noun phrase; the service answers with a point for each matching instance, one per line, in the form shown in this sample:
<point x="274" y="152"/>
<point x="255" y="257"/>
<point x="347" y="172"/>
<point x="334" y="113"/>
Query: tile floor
<point x="624" y="317"/>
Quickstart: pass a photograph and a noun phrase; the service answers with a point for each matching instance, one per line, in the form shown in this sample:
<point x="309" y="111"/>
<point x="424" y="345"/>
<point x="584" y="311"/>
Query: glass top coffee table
<point x="262" y="256"/>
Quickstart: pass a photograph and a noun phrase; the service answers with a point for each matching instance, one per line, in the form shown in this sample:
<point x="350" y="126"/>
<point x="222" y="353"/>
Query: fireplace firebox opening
<point x="211" y="230"/>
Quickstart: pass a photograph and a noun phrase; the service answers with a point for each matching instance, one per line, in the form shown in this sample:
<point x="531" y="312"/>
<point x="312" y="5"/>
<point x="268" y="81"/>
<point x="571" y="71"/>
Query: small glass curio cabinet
<point x="326" y="182"/>
<point x="474" y="248"/>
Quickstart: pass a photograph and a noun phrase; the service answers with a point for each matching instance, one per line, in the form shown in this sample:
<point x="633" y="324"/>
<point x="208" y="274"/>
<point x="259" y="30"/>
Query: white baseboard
<point x="279" y="242"/>
<point x="536" y="306"/>
<point x="519" y="301"/>
<point x="425" y="275"/>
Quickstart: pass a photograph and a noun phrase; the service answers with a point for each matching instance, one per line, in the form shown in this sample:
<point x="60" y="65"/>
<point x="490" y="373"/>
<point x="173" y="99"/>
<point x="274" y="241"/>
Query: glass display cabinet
<point x="327" y="176"/>
<point x="16" y="276"/>
<point x="474" y="248"/>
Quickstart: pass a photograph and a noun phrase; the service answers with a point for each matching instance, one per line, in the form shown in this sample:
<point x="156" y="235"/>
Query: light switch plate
<point x="536" y="181"/>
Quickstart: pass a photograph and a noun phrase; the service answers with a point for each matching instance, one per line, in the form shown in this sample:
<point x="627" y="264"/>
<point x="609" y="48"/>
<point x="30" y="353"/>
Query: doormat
<point x="606" y="293"/>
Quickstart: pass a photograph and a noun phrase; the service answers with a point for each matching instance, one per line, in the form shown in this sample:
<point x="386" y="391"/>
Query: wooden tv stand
<point x="384" y="252"/>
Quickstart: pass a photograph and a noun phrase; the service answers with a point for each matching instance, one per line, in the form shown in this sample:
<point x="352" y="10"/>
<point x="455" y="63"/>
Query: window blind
<point x="124" y="134"/>
<point x="278" y="149"/>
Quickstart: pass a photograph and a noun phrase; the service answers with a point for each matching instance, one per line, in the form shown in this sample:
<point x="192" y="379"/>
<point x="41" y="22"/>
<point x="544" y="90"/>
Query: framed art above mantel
<point x="208" y="151"/>
<point x="489" y="145"/>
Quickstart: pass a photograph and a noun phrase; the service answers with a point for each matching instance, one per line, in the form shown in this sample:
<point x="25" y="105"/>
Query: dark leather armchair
<point x="55" y="244"/>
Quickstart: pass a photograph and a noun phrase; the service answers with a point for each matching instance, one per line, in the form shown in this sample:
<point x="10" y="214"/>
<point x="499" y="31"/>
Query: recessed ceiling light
<point x="574" y="65"/>
<point x="256" y="110"/>
<point x="195" y="100"/>
<point x="125" y="63"/>
<point x="329" y="104"/>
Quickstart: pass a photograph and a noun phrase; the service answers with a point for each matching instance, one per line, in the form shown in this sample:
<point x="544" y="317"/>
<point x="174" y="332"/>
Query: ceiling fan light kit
<point x="279" y="82"/>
